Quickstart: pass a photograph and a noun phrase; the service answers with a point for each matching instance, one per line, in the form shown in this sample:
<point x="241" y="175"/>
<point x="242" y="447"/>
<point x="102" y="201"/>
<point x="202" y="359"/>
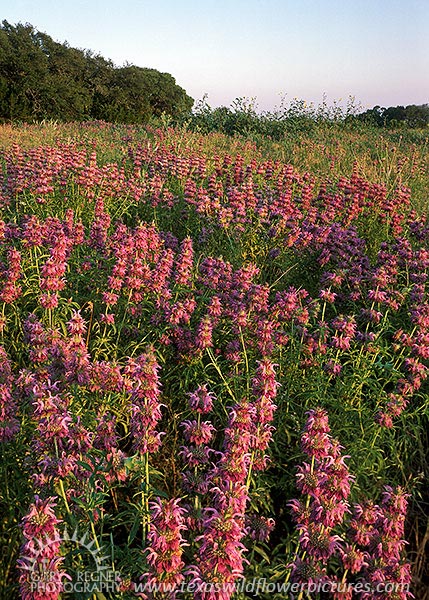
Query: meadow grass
<point x="178" y="311"/>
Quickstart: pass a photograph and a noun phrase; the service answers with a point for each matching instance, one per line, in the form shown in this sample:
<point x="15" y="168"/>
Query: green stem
<point x="62" y="491"/>
<point x="216" y="366"/>
<point x="249" y="474"/>
<point x="94" y="534"/>
<point x="145" y="497"/>
<point x="246" y="360"/>
<point x="124" y="317"/>
<point x="63" y="495"/>
<point x="298" y="545"/>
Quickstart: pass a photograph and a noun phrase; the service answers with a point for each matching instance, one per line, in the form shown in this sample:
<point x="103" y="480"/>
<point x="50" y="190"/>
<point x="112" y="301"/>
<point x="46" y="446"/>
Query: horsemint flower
<point x="142" y="381"/>
<point x="9" y="424"/>
<point x="41" y="577"/>
<point x="165" y="547"/>
<point x="326" y="482"/>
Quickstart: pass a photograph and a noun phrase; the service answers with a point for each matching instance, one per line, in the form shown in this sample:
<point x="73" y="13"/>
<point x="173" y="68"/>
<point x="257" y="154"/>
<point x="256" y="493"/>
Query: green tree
<point x="23" y="72"/>
<point x="41" y="78"/>
<point x="66" y="92"/>
<point x="417" y="116"/>
<point x="136" y="94"/>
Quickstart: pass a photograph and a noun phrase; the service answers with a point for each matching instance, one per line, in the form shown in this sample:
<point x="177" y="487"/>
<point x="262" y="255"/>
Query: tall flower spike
<point x="41" y="577"/>
<point x="326" y="482"/>
<point x="11" y="289"/>
<point x="316" y="441"/>
<point x="381" y="530"/>
<point x="184" y="263"/>
<point x="165" y="547"/>
<point x="220" y="560"/>
<point x="265" y="389"/>
<point x="76" y="356"/>
<point x="9" y="424"/>
<point x="52" y="272"/>
<point x="144" y="386"/>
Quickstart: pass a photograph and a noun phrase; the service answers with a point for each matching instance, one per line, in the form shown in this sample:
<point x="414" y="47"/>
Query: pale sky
<point x="374" y="50"/>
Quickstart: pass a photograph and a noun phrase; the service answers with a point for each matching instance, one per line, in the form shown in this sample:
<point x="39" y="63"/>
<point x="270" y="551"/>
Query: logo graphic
<point x="97" y="576"/>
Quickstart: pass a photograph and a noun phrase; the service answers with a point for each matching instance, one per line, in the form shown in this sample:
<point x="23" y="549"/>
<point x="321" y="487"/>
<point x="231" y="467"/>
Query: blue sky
<point x="374" y="50"/>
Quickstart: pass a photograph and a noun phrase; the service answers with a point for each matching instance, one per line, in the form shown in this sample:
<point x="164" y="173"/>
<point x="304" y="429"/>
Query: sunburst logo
<point x="93" y="574"/>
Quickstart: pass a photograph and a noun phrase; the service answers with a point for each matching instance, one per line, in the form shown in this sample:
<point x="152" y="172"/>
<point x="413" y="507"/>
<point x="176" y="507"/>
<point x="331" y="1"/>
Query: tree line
<point x="44" y="79"/>
<point x="298" y="117"/>
<point x="410" y="116"/>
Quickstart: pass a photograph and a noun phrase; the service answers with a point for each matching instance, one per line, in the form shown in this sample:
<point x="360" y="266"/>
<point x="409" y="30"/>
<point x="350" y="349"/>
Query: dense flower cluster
<point x="145" y="405"/>
<point x="41" y="576"/>
<point x="371" y="545"/>
<point x="9" y="424"/>
<point x="378" y="531"/>
<point x="166" y="319"/>
<point x="165" y="547"/>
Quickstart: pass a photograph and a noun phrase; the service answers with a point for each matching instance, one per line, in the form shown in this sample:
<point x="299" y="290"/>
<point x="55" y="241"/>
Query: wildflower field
<point x="213" y="363"/>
